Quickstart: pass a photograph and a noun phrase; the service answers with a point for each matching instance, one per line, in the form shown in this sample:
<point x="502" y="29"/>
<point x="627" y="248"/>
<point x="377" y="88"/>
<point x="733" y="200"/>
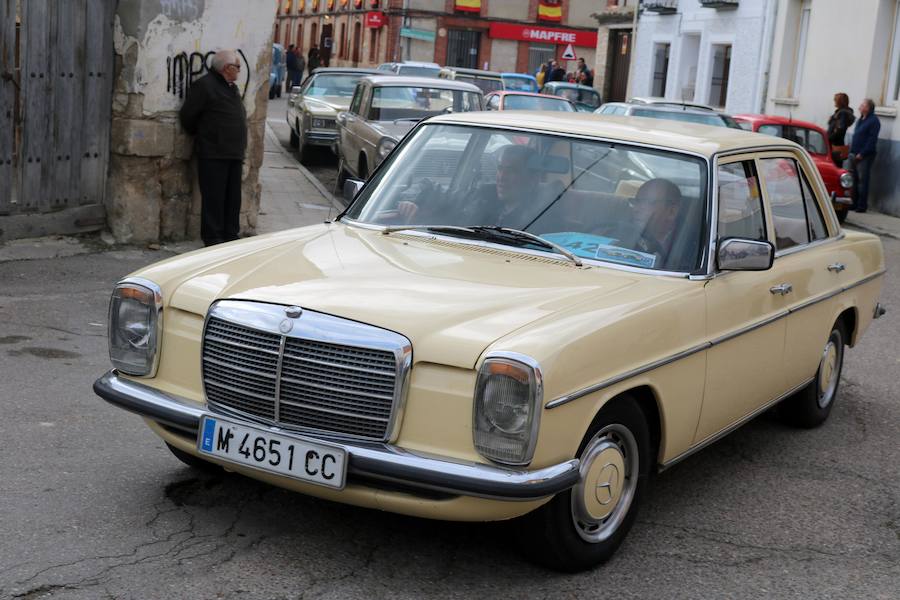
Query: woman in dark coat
<point x="838" y="124"/>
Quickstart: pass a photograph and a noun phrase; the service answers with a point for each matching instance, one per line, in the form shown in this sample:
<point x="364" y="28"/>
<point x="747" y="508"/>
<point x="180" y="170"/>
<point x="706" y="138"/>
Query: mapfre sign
<point x="545" y="35"/>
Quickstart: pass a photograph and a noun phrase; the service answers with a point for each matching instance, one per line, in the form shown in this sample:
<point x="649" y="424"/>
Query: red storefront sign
<point x="374" y="20"/>
<point x="545" y="35"/>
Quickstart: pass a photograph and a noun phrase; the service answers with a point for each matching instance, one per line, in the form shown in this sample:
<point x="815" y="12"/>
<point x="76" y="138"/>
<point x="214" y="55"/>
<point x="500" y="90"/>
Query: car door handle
<point x="836" y="267"/>
<point x="782" y="289"/>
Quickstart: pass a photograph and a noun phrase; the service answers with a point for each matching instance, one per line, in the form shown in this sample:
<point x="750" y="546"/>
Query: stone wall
<point x="161" y="46"/>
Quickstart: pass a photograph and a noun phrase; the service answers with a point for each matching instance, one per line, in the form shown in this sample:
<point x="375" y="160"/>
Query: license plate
<point x="265" y="450"/>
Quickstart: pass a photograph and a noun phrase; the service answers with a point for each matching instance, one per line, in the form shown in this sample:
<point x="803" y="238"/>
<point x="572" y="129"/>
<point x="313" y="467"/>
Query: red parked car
<point x="838" y="181"/>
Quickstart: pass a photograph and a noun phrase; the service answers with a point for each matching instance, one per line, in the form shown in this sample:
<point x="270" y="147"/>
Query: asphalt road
<point x="92" y="505"/>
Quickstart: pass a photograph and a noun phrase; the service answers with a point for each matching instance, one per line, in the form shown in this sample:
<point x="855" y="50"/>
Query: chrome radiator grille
<point x="303" y="379"/>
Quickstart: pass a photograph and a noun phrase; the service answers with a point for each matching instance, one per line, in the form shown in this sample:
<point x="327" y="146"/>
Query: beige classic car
<point x="385" y="108"/>
<point x="520" y="316"/>
<point x="313" y="107"/>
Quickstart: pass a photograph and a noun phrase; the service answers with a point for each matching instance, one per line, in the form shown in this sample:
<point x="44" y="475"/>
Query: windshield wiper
<point x="435" y="228"/>
<point x="524" y="236"/>
<point x="488" y="232"/>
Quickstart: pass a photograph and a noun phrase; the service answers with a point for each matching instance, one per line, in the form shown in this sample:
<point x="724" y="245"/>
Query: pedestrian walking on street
<point x="214" y="114"/>
<point x="555" y="72"/>
<point x="301" y="66"/>
<point x="862" y="153"/>
<point x="295" y="72"/>
<point x="838" y="124"/>
<point x="313" y="60"/>
<point x="583" y="74"/>
<point x="541" y="75"/>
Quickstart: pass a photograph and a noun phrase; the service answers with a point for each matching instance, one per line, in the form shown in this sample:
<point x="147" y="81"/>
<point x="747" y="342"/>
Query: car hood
<point x="451" y="299"/>
<point x="327" y="104"/>
<point x="394" y="129"/>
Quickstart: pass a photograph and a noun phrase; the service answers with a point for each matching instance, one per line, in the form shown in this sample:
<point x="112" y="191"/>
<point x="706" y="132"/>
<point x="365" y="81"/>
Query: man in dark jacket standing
<point x="862" y="153"/>
<point x="214" y="113"/>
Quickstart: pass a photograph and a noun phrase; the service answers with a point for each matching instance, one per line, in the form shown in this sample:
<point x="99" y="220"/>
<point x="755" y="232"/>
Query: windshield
<point x="418" y="71"/>
<point x="331" y="85"/>
<point x="513" y="102"/>
<point x="485" y="84"/>
<point x="401" y="102"/>
<point x="519" y="83"/>
<point x="603" y="201"/>
<point x="588" y="97"/>
<point x="680" y="115"/>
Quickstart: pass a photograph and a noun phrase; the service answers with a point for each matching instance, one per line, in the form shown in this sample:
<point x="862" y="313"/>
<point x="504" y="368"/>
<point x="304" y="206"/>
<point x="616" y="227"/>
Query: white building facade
<point x="822" y="47"/>
<point x="713" y="52"/>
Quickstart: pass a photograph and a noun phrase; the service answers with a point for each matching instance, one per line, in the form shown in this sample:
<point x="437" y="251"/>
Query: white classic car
<point x="385" y="108"/>
<point x="313" y="107"/>
<point x="520" y="316"/>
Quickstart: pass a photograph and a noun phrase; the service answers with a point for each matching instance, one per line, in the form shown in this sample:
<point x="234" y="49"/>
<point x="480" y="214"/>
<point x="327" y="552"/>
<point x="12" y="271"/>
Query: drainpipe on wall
<point x="765" y="62"/>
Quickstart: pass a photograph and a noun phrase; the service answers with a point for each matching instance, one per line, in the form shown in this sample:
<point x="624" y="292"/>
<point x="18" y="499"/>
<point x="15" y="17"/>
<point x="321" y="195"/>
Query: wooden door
<point x="619" y="59"/>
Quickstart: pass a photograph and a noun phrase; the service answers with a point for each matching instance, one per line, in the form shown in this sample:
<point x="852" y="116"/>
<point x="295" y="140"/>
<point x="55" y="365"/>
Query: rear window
<point x="684" y="116"/>
<point x="536" y="103"/>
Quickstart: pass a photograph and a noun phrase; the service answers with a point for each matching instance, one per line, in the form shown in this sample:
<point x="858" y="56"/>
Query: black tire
<point x="842" y="215"/>
<point x="302" y="150"/>
<point x="271" y="93"/>
<point x="195" y="462"/>
<point x="811" y="406"/>
<point x="295" y="139"/>
<point x="564" y="534"/>
<point x="278" y="91"/>
<point x="341" y="178"/>
<point x="363" y="168"/>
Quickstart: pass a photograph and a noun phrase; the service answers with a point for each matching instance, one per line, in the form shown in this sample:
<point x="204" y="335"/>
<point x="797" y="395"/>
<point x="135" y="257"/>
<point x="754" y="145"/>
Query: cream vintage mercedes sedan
<point x="520" y="316"/>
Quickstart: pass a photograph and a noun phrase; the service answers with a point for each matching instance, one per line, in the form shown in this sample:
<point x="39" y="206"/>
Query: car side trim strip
<point x="719" y="435"/>
<point x="703" y="346"/>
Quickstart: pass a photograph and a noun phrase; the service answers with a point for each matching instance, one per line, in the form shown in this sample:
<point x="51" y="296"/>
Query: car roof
<point x="674" y="109"/>
<point x="346" y="70"/>
<point x="417" y="63"/>
<point x="519" y="93"/>
<point x="675" y="135"/>
<point x="495" y="74"/>
<point x="566" y="84"/>
<point x="778" y="120"/>
<point x="513" y="74"/>
<point x="664" y="102"/>
<point x="429" y="82"/>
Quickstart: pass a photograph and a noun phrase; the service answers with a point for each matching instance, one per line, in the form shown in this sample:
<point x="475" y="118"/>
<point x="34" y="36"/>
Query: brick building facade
<point x="499" y="35"/>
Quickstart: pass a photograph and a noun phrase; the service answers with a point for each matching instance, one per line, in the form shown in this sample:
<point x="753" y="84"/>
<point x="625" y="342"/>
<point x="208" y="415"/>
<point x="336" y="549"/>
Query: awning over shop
<point x="546" y="35"/>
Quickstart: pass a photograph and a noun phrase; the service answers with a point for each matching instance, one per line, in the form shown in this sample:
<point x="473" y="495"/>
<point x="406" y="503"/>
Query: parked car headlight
<point x="508" y="395"/>
<point x="385" y="146"/>
<point x="322" y="123"/>
<point x="135" y="321"/>
<point x="846" y="181"/>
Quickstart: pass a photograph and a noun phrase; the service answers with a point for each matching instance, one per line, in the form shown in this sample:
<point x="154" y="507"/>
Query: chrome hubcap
<point x="609" y="468"/>
<point x="830" y="369"/>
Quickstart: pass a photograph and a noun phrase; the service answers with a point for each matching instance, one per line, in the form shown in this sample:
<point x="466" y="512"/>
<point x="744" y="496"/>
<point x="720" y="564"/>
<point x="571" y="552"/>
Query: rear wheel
<point x="583" y="527"/>
<point x="811" y="406"/>
<point x="194" y="462"/>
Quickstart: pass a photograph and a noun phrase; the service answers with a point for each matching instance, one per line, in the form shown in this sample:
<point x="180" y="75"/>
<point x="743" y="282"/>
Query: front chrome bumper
<point x="367" y="460"/>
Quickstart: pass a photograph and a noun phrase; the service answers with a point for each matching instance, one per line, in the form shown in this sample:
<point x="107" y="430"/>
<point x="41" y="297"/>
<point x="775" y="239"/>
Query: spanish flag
<point x="469" y="5"/>
<point x="548" y="10"/>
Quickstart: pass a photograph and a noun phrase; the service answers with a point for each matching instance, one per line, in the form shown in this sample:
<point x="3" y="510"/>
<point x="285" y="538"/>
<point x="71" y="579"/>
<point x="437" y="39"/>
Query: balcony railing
<point x="719" y="4"/>
<point x="661" y="7"/>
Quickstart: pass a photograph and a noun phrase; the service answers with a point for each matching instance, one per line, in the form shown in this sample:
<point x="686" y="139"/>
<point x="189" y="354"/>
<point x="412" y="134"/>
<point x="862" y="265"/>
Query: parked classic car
<point x="411" y="68"/>
<point x="838" y="181"/>
<point x="313" y="107"/>
<point x="527" y="101"/>
<point x="385" y="108"/>
<point x="689" y="113"/>
<point x="277" y="71"/>
<point x="519" y="82"/>
<point x="519" y="315"/>
<point x="586" y="98"/>
<point x="486" y="81"/>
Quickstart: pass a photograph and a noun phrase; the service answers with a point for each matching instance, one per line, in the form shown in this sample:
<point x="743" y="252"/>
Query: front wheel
<point x="583" y="527"/>
<point x="811" y="406"/>
<point x="194" y="462"/>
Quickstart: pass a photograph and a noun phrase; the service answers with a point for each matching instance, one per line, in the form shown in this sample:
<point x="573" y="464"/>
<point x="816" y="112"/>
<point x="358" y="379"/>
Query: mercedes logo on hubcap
<point x="606" y="482"/>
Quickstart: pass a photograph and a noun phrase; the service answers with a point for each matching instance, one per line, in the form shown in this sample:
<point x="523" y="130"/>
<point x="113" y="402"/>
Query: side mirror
<point x="736" y="254"/>
<point x="351" y="188"/>
<point x="341" y="118"/>
<point x="295" y="89"/>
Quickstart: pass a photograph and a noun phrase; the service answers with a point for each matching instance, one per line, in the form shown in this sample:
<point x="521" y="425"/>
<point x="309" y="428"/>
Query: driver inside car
<point x="656" y="206"/>
<point x="499" y="203"/>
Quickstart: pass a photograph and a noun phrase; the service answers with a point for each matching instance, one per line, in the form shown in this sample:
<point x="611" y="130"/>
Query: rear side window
<point x="795" y="212"/>
<point x="740" y="202"/>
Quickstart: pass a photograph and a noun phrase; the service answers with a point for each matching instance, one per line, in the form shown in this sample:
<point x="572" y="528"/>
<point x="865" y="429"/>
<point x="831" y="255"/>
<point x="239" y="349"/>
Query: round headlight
<point x="846" y="180"/>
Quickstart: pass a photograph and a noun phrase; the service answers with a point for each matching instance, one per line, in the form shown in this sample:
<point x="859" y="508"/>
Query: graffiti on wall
<point x="184" y="69"/>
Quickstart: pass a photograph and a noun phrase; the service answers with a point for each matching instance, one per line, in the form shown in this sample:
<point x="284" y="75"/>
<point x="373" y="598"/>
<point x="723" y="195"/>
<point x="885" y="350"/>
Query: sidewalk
<point x="291" y="196"/>
<point x="877" y="223"/>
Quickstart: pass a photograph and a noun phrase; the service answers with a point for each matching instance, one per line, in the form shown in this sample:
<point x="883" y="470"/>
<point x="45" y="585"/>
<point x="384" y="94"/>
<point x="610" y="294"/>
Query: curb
<point x="871" y="229"/>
